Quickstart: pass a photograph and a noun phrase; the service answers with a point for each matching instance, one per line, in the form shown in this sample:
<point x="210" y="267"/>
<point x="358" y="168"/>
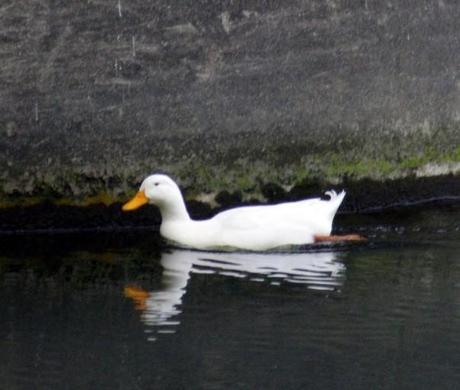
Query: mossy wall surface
<point x="224" y="95"/>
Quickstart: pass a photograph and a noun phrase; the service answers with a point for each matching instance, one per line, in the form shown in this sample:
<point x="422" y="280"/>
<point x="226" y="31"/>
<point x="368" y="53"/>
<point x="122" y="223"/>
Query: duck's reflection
<point x="160" y="308"/>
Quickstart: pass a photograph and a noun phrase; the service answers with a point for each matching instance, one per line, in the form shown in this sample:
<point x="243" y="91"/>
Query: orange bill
<point x="139" y="200"/>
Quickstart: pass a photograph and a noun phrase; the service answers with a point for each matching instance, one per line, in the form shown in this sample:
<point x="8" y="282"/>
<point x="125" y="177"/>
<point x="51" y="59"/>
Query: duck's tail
<point x="335" y="199"/>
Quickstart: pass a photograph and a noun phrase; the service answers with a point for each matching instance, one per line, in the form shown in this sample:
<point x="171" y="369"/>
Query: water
<point x="121" y="310"/>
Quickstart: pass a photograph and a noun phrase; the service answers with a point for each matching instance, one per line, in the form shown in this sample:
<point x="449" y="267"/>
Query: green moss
<point x="248" y="174"/>
<point x="454" y="156"/>
<point x="338" y="167"/>
<point x="101" y="197"/>
<point x="430" y="155"/>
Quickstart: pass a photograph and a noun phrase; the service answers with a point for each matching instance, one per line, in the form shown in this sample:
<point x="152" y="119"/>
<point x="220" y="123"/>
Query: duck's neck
<point x="174" y="210"/>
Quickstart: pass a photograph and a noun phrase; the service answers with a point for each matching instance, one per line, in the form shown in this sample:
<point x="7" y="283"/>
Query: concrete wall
<point x="224" y="95"/>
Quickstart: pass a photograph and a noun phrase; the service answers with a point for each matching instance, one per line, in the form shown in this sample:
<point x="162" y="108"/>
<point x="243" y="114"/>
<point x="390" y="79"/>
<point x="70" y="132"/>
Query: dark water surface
<point x="120" y="310"/>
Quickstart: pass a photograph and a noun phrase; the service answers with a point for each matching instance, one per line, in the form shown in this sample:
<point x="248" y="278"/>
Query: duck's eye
<point x="156" y="184"/>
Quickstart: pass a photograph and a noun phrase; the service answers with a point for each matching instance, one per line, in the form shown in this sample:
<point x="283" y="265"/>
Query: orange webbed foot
<point x="337" y="238"/>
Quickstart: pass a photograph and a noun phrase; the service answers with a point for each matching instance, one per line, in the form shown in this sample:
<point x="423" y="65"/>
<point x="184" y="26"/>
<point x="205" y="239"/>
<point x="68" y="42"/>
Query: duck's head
<point x="157" y="189"/>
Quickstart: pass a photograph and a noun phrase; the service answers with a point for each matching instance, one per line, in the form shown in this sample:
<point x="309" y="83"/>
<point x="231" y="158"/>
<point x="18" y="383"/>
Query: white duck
<point x="251" y="227"/>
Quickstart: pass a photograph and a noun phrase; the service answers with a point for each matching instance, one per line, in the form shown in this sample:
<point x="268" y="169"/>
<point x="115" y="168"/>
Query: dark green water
<point x="119" y="310"/>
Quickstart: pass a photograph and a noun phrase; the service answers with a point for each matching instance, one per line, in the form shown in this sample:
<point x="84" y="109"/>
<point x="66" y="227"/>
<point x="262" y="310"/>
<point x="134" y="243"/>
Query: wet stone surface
<point x="97" y="94"/>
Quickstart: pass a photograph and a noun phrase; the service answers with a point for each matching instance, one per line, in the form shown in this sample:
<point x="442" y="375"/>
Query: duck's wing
<point x="260" y="231"/>
<point x="309" y="212"/>
<point x="260" y="227"/>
